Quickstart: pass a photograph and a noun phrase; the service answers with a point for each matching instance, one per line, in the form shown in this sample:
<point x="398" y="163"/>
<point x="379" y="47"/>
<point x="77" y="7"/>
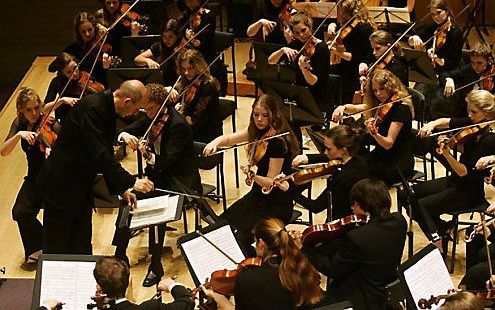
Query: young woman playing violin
<point x="28" y="202"/>
<point x="271" y="158"/>
<point x="389" y="127"/>
<point x="360" y="265"/>
<point x="285" y="279"/>
<point x="342" y="143"/>
<point x="199" y="104"/>
<point x="350" y="46"/>
<point x="380" y="42"/>
<point x="464" y="188"/>
<point x="273" y="22"/>
<point x="171" y="40"/>
<point x="312" y="61"/>
<point x="87" y="32"/>
<point x="479" y="74"/>
<point x="67" y="69"/>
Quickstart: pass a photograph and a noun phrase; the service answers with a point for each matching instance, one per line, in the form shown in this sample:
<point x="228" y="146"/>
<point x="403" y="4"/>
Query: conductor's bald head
<point x="130" y="97"/>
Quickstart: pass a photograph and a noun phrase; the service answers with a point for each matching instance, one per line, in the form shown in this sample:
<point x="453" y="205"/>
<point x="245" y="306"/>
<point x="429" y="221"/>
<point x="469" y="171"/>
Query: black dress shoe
<point x="151" y="279"/>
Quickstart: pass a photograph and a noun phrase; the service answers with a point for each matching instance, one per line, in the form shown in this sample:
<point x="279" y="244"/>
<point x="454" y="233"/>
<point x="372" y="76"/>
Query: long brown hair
<point x="295" y="271"/>
<point x="344" y="136"/>
<point x="80" y="19"/>
<point x="276" y="120"/>
<point x="195" y="60"/>
<point x="391" y="84"/>
<point x="385" y="38"/>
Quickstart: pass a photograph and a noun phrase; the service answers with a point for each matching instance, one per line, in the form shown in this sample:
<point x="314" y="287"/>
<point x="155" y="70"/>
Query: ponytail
<point x="344" y="136"/>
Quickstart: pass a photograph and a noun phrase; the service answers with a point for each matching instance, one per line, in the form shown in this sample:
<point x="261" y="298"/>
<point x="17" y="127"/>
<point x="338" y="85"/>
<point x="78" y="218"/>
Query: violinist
<point x="350" y="45"/>
<point x="66" y="67"/>
<point x="312" y="60"/>
<point x="171" y="40"/>
<point x="285" y="279"/>
<point x="389" y="127"/>
<point x="380" y="42"/>
<point x="170" y="158"/>
<point x="342" y="143"/>
<point x="111" y="11"/>
<point x="445" y="55"/>
<point x="28" y="202"/>
<point x="271" y="157"/>
<point x="200" y="103"/>
<point x="464" y="188"/>
<point x="273" y="22"/>
<point x="366" y="259"/>
<point x="87" y="33"/>
<point x="84" y="148"/>
<point x="482" y="65"/>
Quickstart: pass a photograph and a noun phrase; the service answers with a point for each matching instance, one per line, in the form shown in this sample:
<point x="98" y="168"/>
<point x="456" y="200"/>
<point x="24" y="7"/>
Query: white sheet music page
<point x="205" y="259"/>
<point x="428" y="277"/>
<point x="71" y="282"/>
<point x="154" y="210"/>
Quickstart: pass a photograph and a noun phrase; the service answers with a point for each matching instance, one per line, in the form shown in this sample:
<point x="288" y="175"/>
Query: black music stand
<point x="267" y="72"/>
<point x="130" y="47"/>
<point x="296" y="102"/>
<point x="318" y="140"/>
<point x="479" y="8"/>
<point x="420" y="67"/>
<point x="391" y="16"/>
<point x="117" y="76"/>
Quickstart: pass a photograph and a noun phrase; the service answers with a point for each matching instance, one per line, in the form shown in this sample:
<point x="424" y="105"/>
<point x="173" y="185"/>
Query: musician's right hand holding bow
<point x="300" y="160"/>
<point x="416" y="42"/>
<point x="130" y="140"/>
<point x="485" y="162"/>
<point x="449" y="88"/>
<point x="51" y="304"/>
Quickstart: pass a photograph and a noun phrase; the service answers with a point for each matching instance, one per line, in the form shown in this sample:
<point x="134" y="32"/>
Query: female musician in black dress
<point x="342" y="143"/>
<point x="28" y="202"/>
<point x="273" y="23"/>
<point x="445" y="54"/>
<point x="463" y="189"/>
<point x="350" y="46"/>
<point x="271" y="157"/>
<point x="312" y="61"/>
<point x="390" y="130"/>
<point x="285" y="279"/>
<point x="171" y="39"/>
<point x="87" y="34"/>
<point x="199" y="104"/>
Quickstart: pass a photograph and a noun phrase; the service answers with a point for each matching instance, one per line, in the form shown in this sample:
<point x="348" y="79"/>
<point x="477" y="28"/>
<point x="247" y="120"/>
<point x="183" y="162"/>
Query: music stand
<point x="318" y="140"/>
<point x="74" y="293"/>
<point x="420" y="67"/>
<point x="117" y="76"/>
<point x="424" y="275"/>
<point x="390" y="15"/>
<point x="130" y="47"/>
<point x="296" y="102"/>
<point x="267" y="72"/>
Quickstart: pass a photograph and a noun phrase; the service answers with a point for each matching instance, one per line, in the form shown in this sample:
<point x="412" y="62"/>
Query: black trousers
<point x="437" y="197"/>
<point x="477" y="272"/>
<point x="67" y="231"/>
<point x="25" y="211"/>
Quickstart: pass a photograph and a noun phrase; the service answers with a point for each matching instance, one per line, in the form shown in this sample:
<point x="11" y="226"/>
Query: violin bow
<point x="184" y="45"/>
<point x="216" y="247"/>
<point x="192" y="15"/>
<point x="346" y="24"/>
<point x="487" y="249"/>
<point x="377" y="107"/>
<point x="223" y="150"/>
<point x="461" y="128"/>
<point x="318" y="28"/>
<point x="388" y="50"/>
<point x="475" y="82"/>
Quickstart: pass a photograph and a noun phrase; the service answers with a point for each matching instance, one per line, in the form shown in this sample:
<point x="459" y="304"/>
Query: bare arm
<point x="143" y="58"/>
<point x="274" y="169"/>
<point x="388" y="141"/>
<point x="226" y="140"/>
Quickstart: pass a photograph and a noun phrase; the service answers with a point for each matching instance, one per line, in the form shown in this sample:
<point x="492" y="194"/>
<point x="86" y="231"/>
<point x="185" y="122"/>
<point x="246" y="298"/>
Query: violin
<point x="284" y="16"/>
<point x="337" y="44"/>
<point x="382" y="111"/>
<point x="194" y="23"/>
<point x="101" y="301"/>
<point x="486" y="297"/>
<point x="463" y="135"/>
<point x="308" y="174"/>
<point x="310" y="48"/>
<point x="89" y="85"/>
<point x="189" y="95"/>
<point x="115" y="61"/>
<point x="131" y="17"/>
<point x="488" y="83"/>
<point x="319" y="233"/>
<point x="256" y="151"/>
<point x="439" y="40"/>
<point x="45" y="133"/>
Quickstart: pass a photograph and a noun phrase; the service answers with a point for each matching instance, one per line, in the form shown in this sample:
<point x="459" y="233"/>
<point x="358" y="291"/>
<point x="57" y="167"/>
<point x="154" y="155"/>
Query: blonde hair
<point x="26" y="95"/>
<point x="296" y="273"/>
<point x="483" y="100"/>
<point x="355" y="7"/>
<point x="391" y="84"/>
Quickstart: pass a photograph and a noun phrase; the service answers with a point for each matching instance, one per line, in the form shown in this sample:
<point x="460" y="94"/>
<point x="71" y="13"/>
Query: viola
<point x="338" y="42"/>
<point x="319" y="233"/>
<point x="189" y="95"/>
<point x="256" y="151"/>
<point x="308" y="174"/>
<point x="92" y="87"/>
<point x="45" y="133"/>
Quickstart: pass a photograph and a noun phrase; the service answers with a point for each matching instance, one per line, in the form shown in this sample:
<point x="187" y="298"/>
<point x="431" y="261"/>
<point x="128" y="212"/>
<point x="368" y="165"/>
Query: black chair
<point x="394" y="296"/>
<point x="337" y="306"/>
<point x="228" y="108"/>
<point x="296" y="214"/>
<point x="455" y="219"/>
<point x="224" y="41"/>
<point x="130" y="47"/>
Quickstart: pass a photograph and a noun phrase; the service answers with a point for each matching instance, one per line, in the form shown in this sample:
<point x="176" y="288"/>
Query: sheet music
<point x="154" y="210"/>
<point x="205" y="259"/>
<point x="429" y="276"/>
<point x="71" y="282"/>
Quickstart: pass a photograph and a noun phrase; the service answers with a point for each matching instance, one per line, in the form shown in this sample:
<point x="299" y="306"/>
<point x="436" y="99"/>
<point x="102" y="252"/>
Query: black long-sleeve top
<point x="207" y="36"/>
